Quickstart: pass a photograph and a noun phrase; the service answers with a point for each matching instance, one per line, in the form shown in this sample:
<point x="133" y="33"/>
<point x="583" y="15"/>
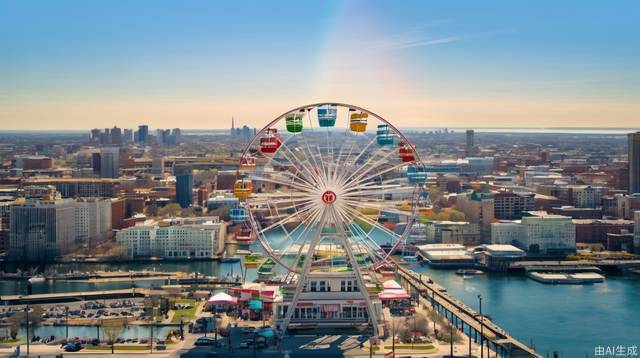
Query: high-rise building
<point x="143" y="133"/>
<point x="116" y="136"/>
<point x="510" y="205"/>
<point x="110" y="162"/>
<point x="469" y="147"/>
<point x="184" y="185"/>
<point x="5" y="222"/>
<point x="95" y="134"/>
<point x="92" y="220"/>
<point x="634" y="162"/>
<point x="233" y="127"/>
<point x="636" y="232"/>
<point x="42" y="230"/>
<point x="127" y="136"/>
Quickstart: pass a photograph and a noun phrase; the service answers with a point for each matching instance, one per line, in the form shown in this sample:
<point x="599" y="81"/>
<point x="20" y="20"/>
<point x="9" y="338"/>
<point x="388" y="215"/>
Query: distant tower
<point x="233" y="127"/>
<point x="634" y="162"/>
<point x="469" y="148"/>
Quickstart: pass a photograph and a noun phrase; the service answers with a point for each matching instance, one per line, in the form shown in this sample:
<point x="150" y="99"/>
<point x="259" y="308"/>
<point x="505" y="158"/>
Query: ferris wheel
<point x="332" y="182"/>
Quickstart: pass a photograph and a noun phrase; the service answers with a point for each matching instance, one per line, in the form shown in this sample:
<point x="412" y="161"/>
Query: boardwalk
<point x="465" y="318"/>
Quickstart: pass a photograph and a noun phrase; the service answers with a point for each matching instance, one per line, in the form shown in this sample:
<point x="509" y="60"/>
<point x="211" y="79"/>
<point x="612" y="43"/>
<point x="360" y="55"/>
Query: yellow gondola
<point x="359" y="122"/>
<point x="243" y="188"/>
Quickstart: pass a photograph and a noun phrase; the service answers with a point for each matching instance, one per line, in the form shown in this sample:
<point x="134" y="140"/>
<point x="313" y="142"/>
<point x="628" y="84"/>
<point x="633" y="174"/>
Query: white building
<point x="506" y="232"/>
<point x="203" y="240"/>
<point x="547" y="233"/>
<point x="537" y="232"/>
<point x="329" y="299"/>
<point x="585" y="196"/>
<point x="93" y="220"/>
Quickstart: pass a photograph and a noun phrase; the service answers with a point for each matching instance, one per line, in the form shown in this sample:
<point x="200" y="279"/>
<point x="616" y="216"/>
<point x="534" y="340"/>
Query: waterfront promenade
<point x="463" y="317"/>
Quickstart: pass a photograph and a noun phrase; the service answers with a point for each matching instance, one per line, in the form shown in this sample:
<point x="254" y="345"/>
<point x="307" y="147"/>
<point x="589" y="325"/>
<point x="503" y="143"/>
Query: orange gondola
<point x="243" y="188"/>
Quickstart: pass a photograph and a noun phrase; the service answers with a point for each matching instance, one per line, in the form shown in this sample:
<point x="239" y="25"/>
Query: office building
<point x="509" y="205"/>
<point x="143" y="134"/>
<point x="478" y="208"/>
<point x="469" y="149"/>
<point x="93" y="221"/>
<point x="116" y="136"/>
<point x="636" y="232"/>
<point x="547" y="233"/>
<point x="184" y="185"/>
<point x="181" y="241"/>
<point x="41" y="230"/>
<point x="110" y="162"/>
<point x="634" y="162"/>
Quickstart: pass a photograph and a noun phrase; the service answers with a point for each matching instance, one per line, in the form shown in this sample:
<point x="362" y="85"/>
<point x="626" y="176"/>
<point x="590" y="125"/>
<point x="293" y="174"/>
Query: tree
<point x="170" y="210"/>
<point x="450" y="334"/>
<point x="455" y="215"/>
<point x="395" y="325"/>
<point x="435" y="317"/>
<point x="111" y="329"/>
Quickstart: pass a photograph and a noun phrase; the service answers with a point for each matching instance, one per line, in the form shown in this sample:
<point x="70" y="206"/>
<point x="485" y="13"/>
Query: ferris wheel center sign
<point x="328" y="197"/>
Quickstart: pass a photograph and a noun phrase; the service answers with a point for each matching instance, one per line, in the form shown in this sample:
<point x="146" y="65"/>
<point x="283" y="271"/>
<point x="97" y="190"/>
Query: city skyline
<point x="572" y="64"/>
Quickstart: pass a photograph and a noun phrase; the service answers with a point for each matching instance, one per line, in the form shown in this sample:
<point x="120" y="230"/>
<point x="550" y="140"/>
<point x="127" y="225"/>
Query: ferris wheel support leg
<point x="306" y="267"/>
<point x="373" y="321"/>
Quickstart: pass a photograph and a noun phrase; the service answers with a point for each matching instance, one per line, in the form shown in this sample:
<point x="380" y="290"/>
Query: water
<point x="570" y="319"/>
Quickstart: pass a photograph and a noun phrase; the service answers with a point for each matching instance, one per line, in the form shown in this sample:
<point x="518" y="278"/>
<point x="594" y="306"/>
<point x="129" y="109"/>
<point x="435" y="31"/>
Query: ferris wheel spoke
<point x="305" y="164"/>
<point x="286" y="219"/>
<point x="359" y="215"/>
<point x="356" y="181"/>
<point x="366" y="168"/>
<point x="270" y="179"/>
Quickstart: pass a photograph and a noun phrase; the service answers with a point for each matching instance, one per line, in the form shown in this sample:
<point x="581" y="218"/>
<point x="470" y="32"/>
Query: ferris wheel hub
<point x="328" y="197"/>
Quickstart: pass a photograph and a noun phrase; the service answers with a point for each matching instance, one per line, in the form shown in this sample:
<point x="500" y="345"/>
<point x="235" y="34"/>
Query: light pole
<point x="481" y="328"/>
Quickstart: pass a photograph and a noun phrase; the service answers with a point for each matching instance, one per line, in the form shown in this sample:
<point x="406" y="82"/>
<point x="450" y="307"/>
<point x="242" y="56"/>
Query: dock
<point x="72" y="296"/>
<point x="464" y="317"/>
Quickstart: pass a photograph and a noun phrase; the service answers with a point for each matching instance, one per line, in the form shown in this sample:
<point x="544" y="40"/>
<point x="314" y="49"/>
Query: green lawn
<point x="188" y="314"/>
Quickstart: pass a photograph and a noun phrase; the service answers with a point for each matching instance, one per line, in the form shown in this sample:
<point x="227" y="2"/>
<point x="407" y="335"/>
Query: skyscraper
<point x="110" y="162"/>
<point x="469" y="147"/>
<point x="634" y="162"/>
<point x="184" y="185"/>
<point x="143" y="133"/>
<point x="116" y="136"/>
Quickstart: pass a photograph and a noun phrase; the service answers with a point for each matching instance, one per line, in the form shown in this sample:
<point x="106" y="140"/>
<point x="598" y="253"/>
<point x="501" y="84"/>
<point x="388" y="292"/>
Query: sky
<point x="419" y="63"/>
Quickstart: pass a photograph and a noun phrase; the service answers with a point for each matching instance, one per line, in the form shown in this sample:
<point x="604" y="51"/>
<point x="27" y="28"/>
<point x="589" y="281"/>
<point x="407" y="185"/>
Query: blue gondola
<point x="327" y="114"/>
<point x="416" y="174"/>
<point x="384" y="135"/>
<point x="238" y="215"/>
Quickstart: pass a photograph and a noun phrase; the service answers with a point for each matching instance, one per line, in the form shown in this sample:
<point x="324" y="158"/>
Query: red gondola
<point x="406" y="152"/>
<point x="270" y="142"/>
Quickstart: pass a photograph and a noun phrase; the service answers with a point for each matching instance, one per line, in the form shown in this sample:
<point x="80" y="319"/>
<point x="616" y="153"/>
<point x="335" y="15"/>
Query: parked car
<point x="205" y="341"/>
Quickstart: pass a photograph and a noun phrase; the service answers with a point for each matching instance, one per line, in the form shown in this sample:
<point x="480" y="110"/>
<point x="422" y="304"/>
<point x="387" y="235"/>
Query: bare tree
<point x="112" y="329"/>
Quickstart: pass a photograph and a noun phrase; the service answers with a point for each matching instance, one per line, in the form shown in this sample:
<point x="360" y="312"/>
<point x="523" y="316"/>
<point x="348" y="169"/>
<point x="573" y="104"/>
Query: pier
<point x="72" y="296"/>
<point x="465" y="318"/>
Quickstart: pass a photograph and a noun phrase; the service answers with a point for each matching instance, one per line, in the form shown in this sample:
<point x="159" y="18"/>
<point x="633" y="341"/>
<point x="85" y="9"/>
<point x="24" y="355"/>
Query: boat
<point x="37" y="279"/>
<point x="469" y="272"/>
<point x="408" y="260"/>
<point x="229" y="259"/>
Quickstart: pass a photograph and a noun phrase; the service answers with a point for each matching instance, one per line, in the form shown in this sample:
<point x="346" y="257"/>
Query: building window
<point x="313" y="285"/>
